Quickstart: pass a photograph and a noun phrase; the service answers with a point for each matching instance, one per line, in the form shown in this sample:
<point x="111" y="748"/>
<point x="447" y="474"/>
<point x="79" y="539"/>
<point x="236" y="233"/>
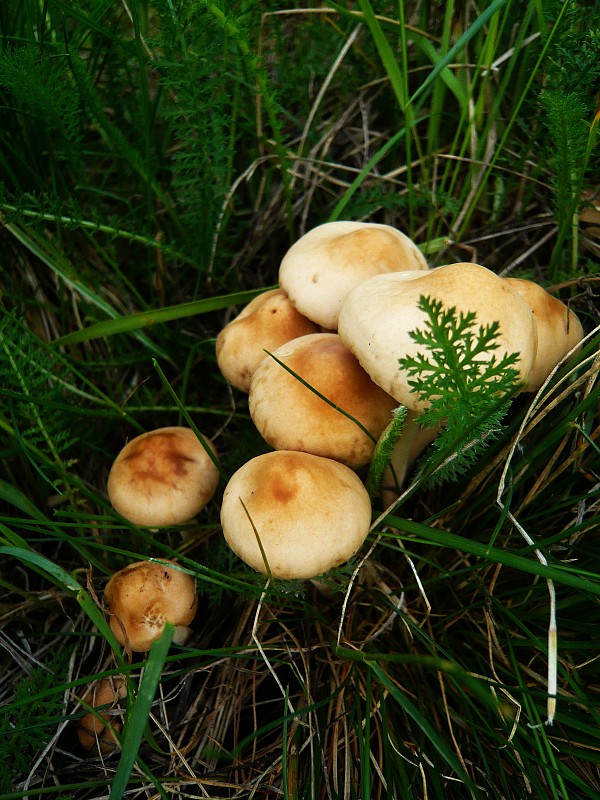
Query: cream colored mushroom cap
<point x="143" y="597"/>
<point x="267" y="322"/>
<point x="378" y="316"/>
<point x="163" y="477"/>
<point x="290" y="416"/>
<point x="321" y="268"/>
<point x="310" y="513"/>
<point x="558" y="329"/>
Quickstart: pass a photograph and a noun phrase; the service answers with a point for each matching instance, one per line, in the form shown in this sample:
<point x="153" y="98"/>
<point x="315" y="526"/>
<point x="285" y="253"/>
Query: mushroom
<point x="321" y="268"/>
<point x="290" y="415"/>
<point x="377" y="318"/>
<point x="295" y="515"/>
<point x="558" y="329"/>
<point x="143" y="597"/>
<point x="265" y="323"/>
<point x="98" y="730"/>
<point x="163" y="477"/>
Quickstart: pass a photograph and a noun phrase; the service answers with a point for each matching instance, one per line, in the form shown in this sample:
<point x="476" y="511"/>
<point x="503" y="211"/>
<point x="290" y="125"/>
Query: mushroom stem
<point x="181" y="634"/>
<point x="413" y="440"/>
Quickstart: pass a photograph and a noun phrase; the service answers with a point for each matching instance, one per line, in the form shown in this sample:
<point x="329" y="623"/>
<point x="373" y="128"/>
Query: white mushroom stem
<point x="181" y="634"/>
<point x="413" y="440"/>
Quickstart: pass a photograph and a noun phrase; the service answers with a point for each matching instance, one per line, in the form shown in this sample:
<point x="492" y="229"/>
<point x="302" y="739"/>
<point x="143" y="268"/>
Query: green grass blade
<point x="388" y="58"/>
<point x="62" y="578"/>
<point x="137" y="721"/>
<point x="11" y="494"/>
<point x="430" y="732"/>
<point x="472" y="31"/>
<point x="145" y="319"/>
<point x="508" y="127"/>
<point x="559" y="574"/>
<point x="364" y="173"/>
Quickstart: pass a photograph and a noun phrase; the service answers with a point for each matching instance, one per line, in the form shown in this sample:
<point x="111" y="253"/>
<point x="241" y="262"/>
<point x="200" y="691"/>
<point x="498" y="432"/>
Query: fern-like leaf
<point x="384" y="448"/>
<point x="465" y="386"/>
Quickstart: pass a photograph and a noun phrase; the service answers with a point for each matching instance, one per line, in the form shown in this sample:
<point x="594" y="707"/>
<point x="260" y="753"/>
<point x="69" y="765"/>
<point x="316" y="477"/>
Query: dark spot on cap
<point x="157" y="458"/>
<point x="281" y="489"/>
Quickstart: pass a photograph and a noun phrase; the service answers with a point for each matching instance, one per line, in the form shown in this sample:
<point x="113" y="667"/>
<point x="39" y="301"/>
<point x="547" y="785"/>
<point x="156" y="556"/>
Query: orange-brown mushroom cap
<point x="91" y="731"/>
<point x="163" y="477"/>
<point x="558" y="329"/>
<point x="291" y="416"/>
<point x="143" y="597"/>
<point x="265" y="323"/>
<point x="310" y="514"/>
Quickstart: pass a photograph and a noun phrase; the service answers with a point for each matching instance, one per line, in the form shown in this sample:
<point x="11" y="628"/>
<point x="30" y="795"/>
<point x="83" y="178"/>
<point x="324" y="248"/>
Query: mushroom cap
<point x="558" y="329"/>
<point x="290" y="416"/>
<point x="378" y="316"/>
<point x="162" y="477"/>
<point x="90" y="730"/>
<point x="321" y="268"/>
<point x="310" y="513"/>
<point x="266" y="323"/>
<point x="143" y="597"/>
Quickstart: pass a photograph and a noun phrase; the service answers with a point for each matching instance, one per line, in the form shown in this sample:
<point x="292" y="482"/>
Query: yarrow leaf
<point x="383" y="450"/>
<point x="465" y="386"/>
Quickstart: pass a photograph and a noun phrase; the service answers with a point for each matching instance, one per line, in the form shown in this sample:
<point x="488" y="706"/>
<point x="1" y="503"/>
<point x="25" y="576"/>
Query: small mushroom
<point x="291" y="416"/>
<point x="295" y="515"/>
<point x="163" y="477"/>
<point x="378" y="316"/>
<point x="98" y="731"/>
<point x="265" y="323"/>
<point x="143" y="597"/>
<point x="319" y="270"/>
<point x="558" y="329"/>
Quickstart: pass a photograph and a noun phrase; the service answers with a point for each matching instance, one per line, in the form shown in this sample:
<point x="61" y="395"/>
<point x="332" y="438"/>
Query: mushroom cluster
<point x="329" y="394"/>
<point x="319" y="360"/>
<point x="311" y="401"/>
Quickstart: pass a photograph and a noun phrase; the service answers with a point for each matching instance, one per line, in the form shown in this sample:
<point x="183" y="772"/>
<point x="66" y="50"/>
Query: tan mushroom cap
<point x="321" y="268"/>
<point x="163" y="477"/>
<point x="310" y="513"/>
<point x="91" y="731"/>
<point x="558" y="329"/>
<point x="143" y="597"/>
<point x="377" y="317"/>
<point x="265" y="323"/>
<point x="290" y="416"/>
